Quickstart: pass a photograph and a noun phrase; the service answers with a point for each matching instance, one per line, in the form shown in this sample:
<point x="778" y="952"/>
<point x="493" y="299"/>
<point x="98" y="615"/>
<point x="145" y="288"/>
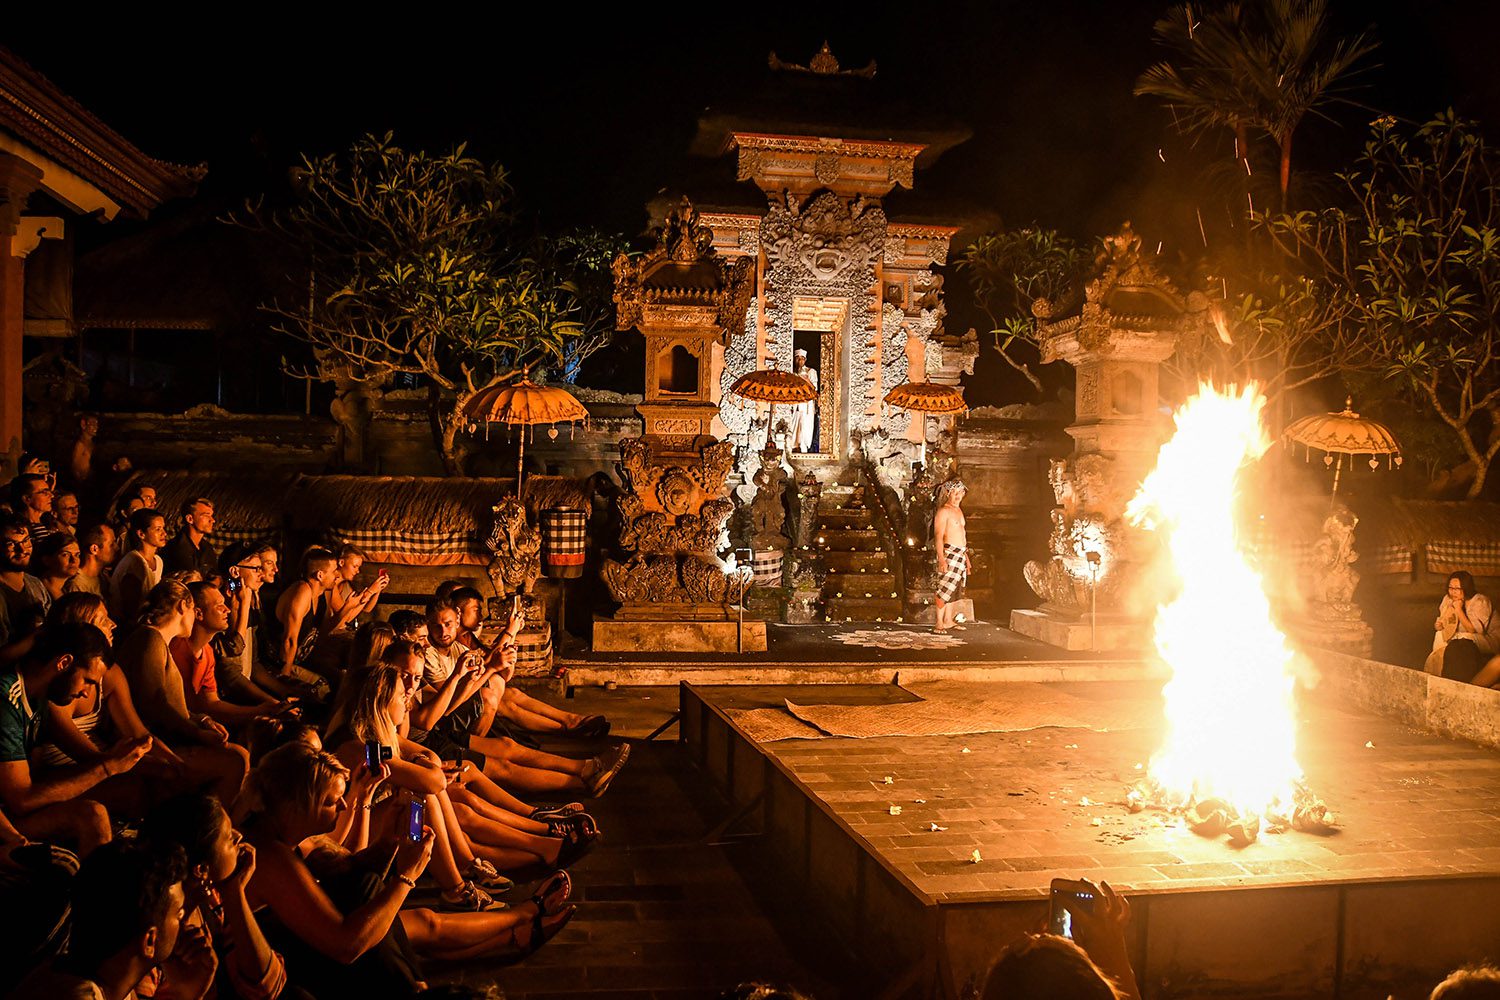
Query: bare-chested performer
<point x="951" y="542"/>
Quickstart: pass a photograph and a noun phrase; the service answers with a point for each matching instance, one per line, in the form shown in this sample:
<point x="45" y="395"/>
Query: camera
<point x="375" y="754"/>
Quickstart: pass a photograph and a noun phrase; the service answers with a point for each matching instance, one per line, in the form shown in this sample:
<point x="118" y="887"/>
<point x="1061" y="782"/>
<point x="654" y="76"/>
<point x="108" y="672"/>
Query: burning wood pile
<point x="1228" y="764"/>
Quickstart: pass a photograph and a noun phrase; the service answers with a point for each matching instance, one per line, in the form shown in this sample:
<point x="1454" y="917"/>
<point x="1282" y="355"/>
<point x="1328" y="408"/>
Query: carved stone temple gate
<point x="830" y="263"/>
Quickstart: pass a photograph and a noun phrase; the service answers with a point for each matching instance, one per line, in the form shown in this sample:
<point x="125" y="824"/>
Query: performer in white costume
<point x="803" y="414"/>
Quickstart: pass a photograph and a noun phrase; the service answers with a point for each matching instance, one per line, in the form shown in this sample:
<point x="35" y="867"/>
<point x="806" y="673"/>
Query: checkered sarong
<point x="534" y="651"/>
<point x="414" y="548"/>
<point x="564" y="534"/>
<point x="951" y="582"/>
<point x="1449" y="556"/>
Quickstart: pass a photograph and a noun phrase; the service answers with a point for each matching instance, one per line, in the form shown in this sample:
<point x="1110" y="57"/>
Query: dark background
<point x="592" y="110"/>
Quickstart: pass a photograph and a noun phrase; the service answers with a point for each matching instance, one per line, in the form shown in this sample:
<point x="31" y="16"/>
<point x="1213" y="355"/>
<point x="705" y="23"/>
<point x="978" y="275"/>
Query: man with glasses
<point x="237" y="674"/>
<point x="65" y="511"/>
<point x="32" y="494"/>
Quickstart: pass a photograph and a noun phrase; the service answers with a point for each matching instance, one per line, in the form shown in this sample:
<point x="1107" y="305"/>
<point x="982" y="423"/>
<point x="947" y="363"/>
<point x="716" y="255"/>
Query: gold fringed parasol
<point x="522" y="403"/>
<point x="1345" y="433"/>
<point x="770" y="385"/>
<point x="927" y="397"/>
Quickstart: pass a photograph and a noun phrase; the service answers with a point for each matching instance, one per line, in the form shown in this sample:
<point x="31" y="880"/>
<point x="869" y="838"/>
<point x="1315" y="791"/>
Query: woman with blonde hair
<point x="156" y="683"/>
<point x="351" y="937"/>
<point x="378" y="713"/>
<point x="371" y="640"/>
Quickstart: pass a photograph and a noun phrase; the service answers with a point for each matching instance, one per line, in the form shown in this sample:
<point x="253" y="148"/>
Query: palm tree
<point x="1267" y="65"/>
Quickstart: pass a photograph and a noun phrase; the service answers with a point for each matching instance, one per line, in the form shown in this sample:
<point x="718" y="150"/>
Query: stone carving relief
<point x="767" y="510"/>
<point x="672" y="520"/>
<point x="1332" y="575"/>
<point x="1088" y="519"/>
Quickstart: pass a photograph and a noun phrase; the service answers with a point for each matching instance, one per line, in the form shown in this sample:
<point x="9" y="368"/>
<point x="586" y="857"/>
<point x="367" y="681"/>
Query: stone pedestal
<point x="1114" y="633"/>
<point x="1353" y="638"/>
<point x="619" y="634"/>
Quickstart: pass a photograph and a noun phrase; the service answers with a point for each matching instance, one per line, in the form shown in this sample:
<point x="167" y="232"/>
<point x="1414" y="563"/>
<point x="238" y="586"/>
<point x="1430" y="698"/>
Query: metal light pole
<point x="1093" y="558"/>
<point x="743" y="570"/>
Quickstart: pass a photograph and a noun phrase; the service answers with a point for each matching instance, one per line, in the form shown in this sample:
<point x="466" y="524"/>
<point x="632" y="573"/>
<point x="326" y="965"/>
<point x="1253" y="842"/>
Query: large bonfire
<point x="1229" y="759"/>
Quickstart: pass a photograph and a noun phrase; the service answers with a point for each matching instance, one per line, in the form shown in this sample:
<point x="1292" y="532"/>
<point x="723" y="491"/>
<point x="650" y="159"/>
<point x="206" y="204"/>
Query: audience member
<point x="41" y="876"/>
<point x="220" y="866"/>
<point x="160" y="694"/>
<point x="1049" y="967"/>
<point x="56" y="561"/>
<point x="190" y="549"/>
<point x="140" y="569"/>
<point x="128" y="925"/>
<point x="1472" y="982"/>
<point x="194" y="656"/>
<point x="97" y="550"/>
<point x="1462" y="639"/>
<point x="23" y="598"/>
<point x="342" y="604"/>
<point x="292" y="632"/>
<point x="349" y="936"/>
<point x="66" y="511"/>
<point x="32" y="500"/>
<point x="63" y="661"/>
<point x="371" y="640"/>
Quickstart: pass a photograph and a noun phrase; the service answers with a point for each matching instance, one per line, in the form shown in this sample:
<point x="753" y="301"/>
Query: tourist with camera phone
<point x="1082" y="952"/>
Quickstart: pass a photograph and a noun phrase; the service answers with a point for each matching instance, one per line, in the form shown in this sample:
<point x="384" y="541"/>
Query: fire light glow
<point x="1231" y="722"/>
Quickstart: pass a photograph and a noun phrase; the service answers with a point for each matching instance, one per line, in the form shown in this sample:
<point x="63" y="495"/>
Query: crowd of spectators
<point x="216" y="782"/>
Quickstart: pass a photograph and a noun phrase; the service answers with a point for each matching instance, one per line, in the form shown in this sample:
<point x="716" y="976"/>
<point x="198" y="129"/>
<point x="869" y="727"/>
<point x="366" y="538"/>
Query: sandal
<point x="560" y="883"/>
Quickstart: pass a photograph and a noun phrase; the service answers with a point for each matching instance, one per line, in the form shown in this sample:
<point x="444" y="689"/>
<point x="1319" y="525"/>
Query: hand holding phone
<point x="375" y="755"/>
<point x="416" y="817"/>
<point x="1070" y="898"/>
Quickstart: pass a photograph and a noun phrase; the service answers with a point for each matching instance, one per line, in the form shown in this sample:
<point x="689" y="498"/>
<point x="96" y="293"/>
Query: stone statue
<point x="1333" y="576"/>
<point x="1081" y="524"/>
<point x="767" y="512"/>
<point x="517" y="548"/>
<point x="808" y="493"/>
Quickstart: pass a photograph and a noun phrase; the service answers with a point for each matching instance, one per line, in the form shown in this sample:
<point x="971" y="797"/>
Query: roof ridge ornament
<point x="823" y="63"/>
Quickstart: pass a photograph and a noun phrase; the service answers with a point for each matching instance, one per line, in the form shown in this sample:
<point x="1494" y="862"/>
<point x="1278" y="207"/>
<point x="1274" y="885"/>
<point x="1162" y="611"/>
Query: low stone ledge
<point x="1418" y="699"/>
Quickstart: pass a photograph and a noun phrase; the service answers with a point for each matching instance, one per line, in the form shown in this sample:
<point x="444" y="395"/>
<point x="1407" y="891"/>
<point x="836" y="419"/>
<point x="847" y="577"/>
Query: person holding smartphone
<point x="1090" y="962"/>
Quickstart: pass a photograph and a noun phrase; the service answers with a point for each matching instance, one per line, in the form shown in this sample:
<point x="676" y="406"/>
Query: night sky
<point x="592" y="110"/>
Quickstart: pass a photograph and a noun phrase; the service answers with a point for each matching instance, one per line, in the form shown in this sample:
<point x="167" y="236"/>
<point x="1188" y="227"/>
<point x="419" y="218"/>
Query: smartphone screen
<point x="1070" y="897"/>
<point x="372" y="756"/>
<point x="415" y="820"/>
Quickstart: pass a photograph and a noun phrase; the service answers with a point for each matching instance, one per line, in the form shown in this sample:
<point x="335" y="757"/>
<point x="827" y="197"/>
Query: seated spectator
<point x="194" y="656"/>
<point x="219" y="866"/>
<point x="31" y="498"/>
<point x="342" y="604"/>
<point x="97" y="548"/>
<point x="127" y="926"/>
<point x="1473" y="982"/>
<point x="241" y="673"/>
<point x="66" y="511"/>
<point x="1049" y="967"/>
<point x="42" y="876"/>
<point x="190" y="549"/>
<point x="517" y="707"/>
<point x="81" y="732"/>
<point x="23" y="598"/>
<point x="371" y="640"/>
<point x="1462" y="639"/>
<point x="140" y="569"/>
<point x="60" y="665"/>
<point x="161" y="697"/>
<point x="289" y="635"/>
<point x="349" y="936"/>
<point x="56" y="561"/>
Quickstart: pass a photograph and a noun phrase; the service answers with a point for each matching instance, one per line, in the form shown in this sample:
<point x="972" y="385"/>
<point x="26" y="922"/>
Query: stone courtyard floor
<point x="662" y="914"/>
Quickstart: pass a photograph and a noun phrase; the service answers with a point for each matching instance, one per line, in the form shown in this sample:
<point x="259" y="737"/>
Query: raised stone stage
<point x="1408" y="890"/>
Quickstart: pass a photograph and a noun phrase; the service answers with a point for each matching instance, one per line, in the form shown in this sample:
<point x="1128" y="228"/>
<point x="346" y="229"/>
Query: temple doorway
<point x="808" y="416"/>
<point x="818" y="328"/>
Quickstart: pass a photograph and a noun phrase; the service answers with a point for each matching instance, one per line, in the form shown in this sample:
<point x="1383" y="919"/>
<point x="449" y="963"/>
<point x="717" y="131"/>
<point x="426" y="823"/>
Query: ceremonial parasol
<point x="927" y="398"/>
<point x="769" y="385"/>
<point x="522" y="403"/>
<point x="1345" y="433"/>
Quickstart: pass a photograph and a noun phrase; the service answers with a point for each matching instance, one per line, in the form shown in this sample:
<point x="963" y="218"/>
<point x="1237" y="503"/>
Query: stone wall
<point x="207" y="437"/>
<point x="1003" y="454"/>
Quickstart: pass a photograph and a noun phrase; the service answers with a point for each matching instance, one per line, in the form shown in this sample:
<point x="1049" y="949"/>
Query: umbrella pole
<point x="521" y="466"/>
<point x="1338" y="467"/>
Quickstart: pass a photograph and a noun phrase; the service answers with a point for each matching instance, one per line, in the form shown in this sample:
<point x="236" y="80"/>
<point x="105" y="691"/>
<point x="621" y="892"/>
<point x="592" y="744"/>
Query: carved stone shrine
<point x="689" y="303"/>
<point x="1116" y="334"/>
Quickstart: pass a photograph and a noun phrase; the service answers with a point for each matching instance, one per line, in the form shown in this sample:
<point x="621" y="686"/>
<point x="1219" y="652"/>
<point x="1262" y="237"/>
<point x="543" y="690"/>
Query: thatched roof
<point x="243" y="501"/>
<point x="1416" y="522"/>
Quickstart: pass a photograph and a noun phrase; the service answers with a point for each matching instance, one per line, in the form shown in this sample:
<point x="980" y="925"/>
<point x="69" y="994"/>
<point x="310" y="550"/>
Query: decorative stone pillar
<point x="674" y="592"/>
<point x="1127" y="324"/>
<point x="18" y="179"/>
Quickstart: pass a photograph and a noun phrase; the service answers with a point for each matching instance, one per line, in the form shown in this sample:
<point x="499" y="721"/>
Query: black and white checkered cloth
<point x="222" y="538"/>
<point x="1449" y="556"/>
<point x="534" y="651"/>
<point x="1393" y="559"/>
<point x="414" y="548"/>
<point x="564" y="536"/>
<point x="951" y="582"/>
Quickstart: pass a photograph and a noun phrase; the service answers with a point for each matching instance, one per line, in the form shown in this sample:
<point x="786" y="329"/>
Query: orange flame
<point x="1231" y="725"/>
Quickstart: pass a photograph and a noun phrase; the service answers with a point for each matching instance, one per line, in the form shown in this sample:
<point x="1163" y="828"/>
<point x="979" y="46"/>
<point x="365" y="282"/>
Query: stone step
<point x="843" y="519"/>
<point x="844" y="539"/>
<point x="875" y="583"/>
<point x="861" y="609"/>
<point x="856" y="562"/>
<point x="836" y="586"/>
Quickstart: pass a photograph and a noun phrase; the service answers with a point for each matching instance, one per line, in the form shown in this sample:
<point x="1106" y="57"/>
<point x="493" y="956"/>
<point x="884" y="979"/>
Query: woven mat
<point x="767" y="725"/>
<point x="949" y="709"/>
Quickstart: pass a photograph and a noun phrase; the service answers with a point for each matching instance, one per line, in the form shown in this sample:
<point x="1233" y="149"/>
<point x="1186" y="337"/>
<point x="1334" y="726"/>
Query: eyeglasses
<point x="257" y="567"/>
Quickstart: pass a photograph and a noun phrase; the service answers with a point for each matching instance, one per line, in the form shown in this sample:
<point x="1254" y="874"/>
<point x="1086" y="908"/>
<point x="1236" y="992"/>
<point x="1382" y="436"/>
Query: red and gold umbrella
<point x="927" y="397"/>
<point x="770" y="385"/>
<point x="522" y="403"/>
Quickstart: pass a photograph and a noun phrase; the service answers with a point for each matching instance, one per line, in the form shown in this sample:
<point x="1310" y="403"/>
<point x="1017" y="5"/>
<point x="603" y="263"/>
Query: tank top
<point x="52" y="755"/>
